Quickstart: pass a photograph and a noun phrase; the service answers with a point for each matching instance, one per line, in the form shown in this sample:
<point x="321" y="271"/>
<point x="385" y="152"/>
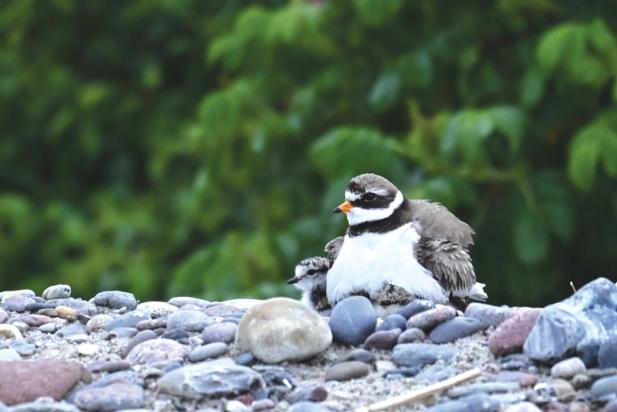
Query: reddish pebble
<point x="512" y="333"/>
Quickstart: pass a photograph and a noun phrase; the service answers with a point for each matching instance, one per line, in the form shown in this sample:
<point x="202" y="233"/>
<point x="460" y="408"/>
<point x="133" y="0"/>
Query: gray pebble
<point x="124" y="376"/>
<point x="415" y="307"/>
<point x="108" y="366"/>
<point x="17" y="303"/>
<point x="394" y="321"/>
<point x="123" y="332"/>
<point x="488" y="315"/>
<point x="151" y="324"/>
<point x="436" y="373"/>
<point x="189" y="320"/>
<point x="567" y="368"/>
<point x="137" y="339"/>
<point x="128" y="320"/>
<point x="183" y="300"/>
<point x="211" y="350"/>
<point x="72" y="329"/>
<point x="307" y="407"/>
<point x="57" y="292"/>
<point x="421" y="354"/>
<point x="9" y="355"/>
<point x="480" y="402"/>
<point x="220" y="332"/>
<point x="48" y="328"/>
<point x="411" y="335"/>
<point x="360" y="355"/>
<point x="456" y="328"/>
<point x="23" y="347"/>
<point x="607" y="355"/>
<point x="244" y="359"/>
<point x="352" y="320"/>
<point x="383" y="340"/>
<point x="345" y="371"/>
<point x="115" y="299"/>
<point x="604" y="387"/>
<point x="114" y="397"/>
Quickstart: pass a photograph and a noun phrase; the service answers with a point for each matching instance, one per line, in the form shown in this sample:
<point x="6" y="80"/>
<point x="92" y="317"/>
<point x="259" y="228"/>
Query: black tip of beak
<point x="336" y="210"/>
<point x="292" y="281"/>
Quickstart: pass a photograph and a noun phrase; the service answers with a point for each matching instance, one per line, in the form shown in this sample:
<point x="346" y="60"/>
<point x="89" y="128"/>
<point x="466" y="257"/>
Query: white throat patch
<point x="359" y="215"/>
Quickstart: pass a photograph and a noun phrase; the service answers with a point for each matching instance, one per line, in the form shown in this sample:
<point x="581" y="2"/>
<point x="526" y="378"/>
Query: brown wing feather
<point x="437" y="222"/>
<point x="449" y="262"/>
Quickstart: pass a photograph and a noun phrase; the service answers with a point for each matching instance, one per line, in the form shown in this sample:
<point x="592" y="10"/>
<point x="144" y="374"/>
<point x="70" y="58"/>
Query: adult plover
<point x="310" y="278"/>
<point x="396" y="249"/>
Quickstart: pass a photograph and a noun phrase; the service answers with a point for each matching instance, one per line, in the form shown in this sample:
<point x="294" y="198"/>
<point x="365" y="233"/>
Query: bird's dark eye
<point x="311" y="271"/>
<point x="369" y="197"/>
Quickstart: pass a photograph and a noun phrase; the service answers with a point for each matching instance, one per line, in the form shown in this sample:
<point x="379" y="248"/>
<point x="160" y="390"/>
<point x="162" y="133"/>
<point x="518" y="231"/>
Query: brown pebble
<point x="66" y="312"/>
<point x="527" y="380"/>
<point x="428" y="319"/>
<point x="512" y="333"/>
<point x="48" y="312"/>
<point x="564" y="391"/>
<point x="35" y="320"/>
<point x="581" y="381"/>
<point x="345" y="371"/>
<point x="151" y="324"/>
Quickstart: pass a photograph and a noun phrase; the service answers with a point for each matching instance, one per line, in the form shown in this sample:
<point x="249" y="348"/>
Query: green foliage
<point x="196" y="148"/>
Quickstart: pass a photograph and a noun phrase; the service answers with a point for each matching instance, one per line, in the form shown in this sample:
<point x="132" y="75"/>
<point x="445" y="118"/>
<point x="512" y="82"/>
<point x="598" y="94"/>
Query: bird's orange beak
<point x="343" y="207"/>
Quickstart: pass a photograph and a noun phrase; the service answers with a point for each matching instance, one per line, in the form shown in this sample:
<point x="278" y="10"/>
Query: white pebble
<point x="567" y="368"/>
<point x="10" y="331"/>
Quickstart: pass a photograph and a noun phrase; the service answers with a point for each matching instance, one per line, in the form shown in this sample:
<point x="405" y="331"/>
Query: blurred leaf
<point x="530" y="238"/>
<point x="592" y="144"/>
<point x="532" y="87"/>
<point x="375" y="13"/>
<point x="510" y="121"/>
<point x="385" y="90"/>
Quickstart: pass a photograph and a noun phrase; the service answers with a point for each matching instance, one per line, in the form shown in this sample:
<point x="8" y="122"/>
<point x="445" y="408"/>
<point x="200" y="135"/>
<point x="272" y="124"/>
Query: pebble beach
<point x="111" y="352"/>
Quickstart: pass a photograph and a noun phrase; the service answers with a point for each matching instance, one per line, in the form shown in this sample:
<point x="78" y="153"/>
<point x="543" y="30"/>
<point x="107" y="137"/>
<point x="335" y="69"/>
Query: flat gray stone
<point x="115" y="299"/>
<point x="421" y="354"/>
<point x="345" y="371"/>
<point x="116" y="396"/>
<point x="211" y="350"/>
<point x="57" y="292"/>
<point x="189" y="320"/>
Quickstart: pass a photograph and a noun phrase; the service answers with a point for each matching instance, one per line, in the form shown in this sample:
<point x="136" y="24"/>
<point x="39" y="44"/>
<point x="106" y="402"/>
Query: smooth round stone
<point x="411" y="335"/>
<point x="23" y="347"/>
<point x="123" y="332"/>
<point x="220" y="332"/>
<point x="563" y="390"/>
<point x="604" y="387"/>
<point x="137" y="339"/>
<point x="117" y="396"/>
<point x="57" y="292"/>
<point x="511" y="334"/>
<point x="21" y="292"/>
<point x="72" y="329"/>
<point x="124" y="376"/>
<point x="579" y="407"/>
<point x="488" y="315"/>
<point x="156" y="350"/>
<point x="66" y="312"/>
<point x="16" y="303"/>
<point x="352" y="320"/>
<point x="244" y="359"/>
<point x="454" y="329"/>
<point x="428" y="319"/>
<point x="478" y="402"/>
<point x="281" y="329"/>
<point x="360" y="355"/>
<point x="305" y="406"/>
<point x="97" y="322"/>
<point x="157" y="323"/>
<point x="3" y="316"/>
<point x="48" y="328"/>
<point x="611" y="406"/>
<point x="179" y="335"/>
<point x="394" y="321"/>
<point x="607" y="355"/>
<point x="189" y="320"/>
<point x="567" y="368"/>
<point x="128" y="320"/>
<point x="181" y="301"/>
<point x="211" y="350"/>
<point x="421" y="354"/>
<point x="383" y="340"/>
<point x="35" y="320"/>
<point x="156" y="309"/>
<point x="523" y="407"/>
<point x="9" y="354"/>
<point x="415" y="307"/>
<point x="314" y="394"/>
<point x="345" y="371"/>
<point x="108" y="366"/>
<point x="81" y="306"/>
<point x="215" y="378"/>
<point x="115" y="299"/>
<point x="435" y="373"/>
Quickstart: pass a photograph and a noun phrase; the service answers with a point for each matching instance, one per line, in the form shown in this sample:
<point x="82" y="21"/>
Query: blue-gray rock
<point x="72" y="329"/>
<point x="211" y="350"/>
<point x="81" y="306"/>
<point x="345" y="371"/>
<point x="454" y="329"/>
<point x="352" y="320"/>
<point x="189" y="320"/>
<point x="220" y="332"/>
<point x="393" y="321"/>
<point x="244" y="359"/>
<point x="411" y="335"/>
<point x="23" y="347"/>
<point x="220" y="377"/>
<point x="57" y="292"/>
<point x="114" y="397"/>
<point x="311" y="394"/>
<point x="399" y="373"/>
<point x="186" y="300"/>
<point x="156" y="309"/>
<point x="360" y="355"/>
<point x="578" y="324"/>
<point x="305" y="406"/>
<point x="17" y="303"/>
<point x="480" y="402"/>
<point x="488" y="315"/>
<point x="115" y="299"/>
<point x="108" y="366"/>
<point x="567" y="368"/>
<point x="221" y="310"/>
<point x="179" y="335"/>
<point x="435" y="373"/>
<point x="44" y="404"/>
<point x="421" y="354"/>
<point x="156" y="350"/>
<point x="605" y="388"/>
<point x="415" y="307"/>
<point x="483" y="387"/>
<point x="9" y="355"/>
<point x="611" y="406"/>
<point x="124" y="376"/>
<point x="607" y="354"/>
<point x="383" y="339"/>
<point x="128" y="320"/>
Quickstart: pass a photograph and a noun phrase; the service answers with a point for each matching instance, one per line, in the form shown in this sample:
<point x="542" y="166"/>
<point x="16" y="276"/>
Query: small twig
<point x="422" y="392"/>
<point x="572" y="286"/>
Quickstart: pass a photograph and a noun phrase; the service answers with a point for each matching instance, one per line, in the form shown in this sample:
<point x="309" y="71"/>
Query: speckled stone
<point x="186" y="300"/>
<point x="488" y="315"/>
<point x="411" y="335"/>
<point x="220" y="332"/>
<point x="421" y="354"/>
<point x="428" y="319"/>
<point x="510" y="335"/>
<point x="156" y="350"/>
<point x="189" y="320"/>
<point x="211" y="350"/>
<point x="454" y="329"/>
<point x="156" y="309"/>
<point x="115" y="299"/>
<point x="117" y="396"/>
<point x="383" y="339"/>
<point x="57" y="292"/>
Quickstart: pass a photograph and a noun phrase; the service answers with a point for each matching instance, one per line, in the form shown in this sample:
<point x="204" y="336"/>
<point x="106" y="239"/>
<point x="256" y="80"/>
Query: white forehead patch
<point x="349" y="196"/>
<point x="358" y="215"/>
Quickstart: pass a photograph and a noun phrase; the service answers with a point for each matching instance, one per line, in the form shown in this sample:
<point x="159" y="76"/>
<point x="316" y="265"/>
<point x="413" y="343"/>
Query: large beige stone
<point x="282" y="329"/>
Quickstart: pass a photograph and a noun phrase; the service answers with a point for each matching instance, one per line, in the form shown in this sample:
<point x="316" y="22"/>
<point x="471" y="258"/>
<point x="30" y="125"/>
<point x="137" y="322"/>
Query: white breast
<point x="366" y="262"/>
